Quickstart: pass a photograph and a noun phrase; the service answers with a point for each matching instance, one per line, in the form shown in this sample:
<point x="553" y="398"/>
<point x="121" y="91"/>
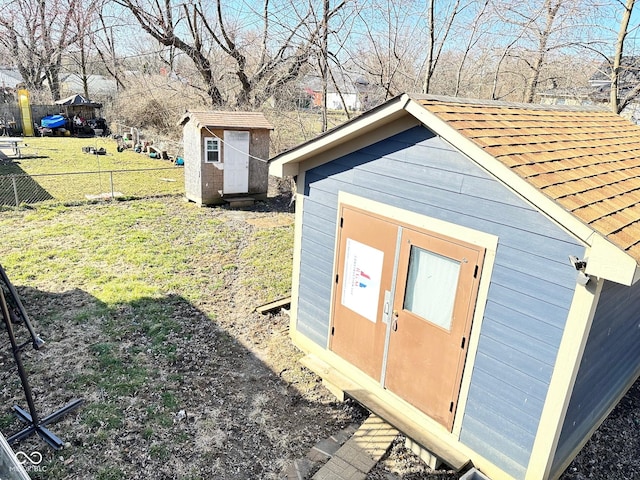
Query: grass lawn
<point x="59" y="171"/>
<point x="147" y="308"/>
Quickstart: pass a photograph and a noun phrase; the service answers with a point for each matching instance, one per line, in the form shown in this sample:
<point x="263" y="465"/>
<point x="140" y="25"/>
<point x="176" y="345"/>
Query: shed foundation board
<point x="394" y="416"/>
<point x="425" y="455"/>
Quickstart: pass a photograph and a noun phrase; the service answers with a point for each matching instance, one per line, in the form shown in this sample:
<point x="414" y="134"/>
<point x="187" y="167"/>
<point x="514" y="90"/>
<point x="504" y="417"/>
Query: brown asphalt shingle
<point x="223" y="119"/>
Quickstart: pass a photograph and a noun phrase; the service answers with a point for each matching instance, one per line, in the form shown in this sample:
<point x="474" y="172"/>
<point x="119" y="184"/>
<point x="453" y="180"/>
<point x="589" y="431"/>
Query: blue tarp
<point x="53" y="121"/>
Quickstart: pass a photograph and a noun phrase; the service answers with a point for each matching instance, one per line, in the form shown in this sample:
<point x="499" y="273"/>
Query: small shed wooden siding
<point x="548" y="357"/>
<point x="204" y="181"/>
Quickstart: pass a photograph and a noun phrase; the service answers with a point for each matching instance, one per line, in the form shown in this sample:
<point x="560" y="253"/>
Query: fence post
<point x="15" y="190"/>
<point x="111" y="179"/>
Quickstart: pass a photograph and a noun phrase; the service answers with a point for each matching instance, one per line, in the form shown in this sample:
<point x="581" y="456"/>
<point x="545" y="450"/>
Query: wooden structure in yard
<point x="225" y="156"/>
<point x="468" y="270"/>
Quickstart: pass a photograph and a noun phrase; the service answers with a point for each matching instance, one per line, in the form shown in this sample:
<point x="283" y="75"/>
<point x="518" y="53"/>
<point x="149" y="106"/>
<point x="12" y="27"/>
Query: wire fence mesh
<point x="23" y="189"/>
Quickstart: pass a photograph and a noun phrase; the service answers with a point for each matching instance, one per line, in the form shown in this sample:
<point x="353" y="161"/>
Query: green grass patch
<point x="169" y="400"/>
<point x="114" y="374"/>
<point x="159" y="451"/>
<point x="102" y="415"/>
<point x="110" y="473"/>
<point x="6" y="420"/>
<point x="136" y="273"/>
<point x="55" y="169"/>
<point x="269" y="257"/>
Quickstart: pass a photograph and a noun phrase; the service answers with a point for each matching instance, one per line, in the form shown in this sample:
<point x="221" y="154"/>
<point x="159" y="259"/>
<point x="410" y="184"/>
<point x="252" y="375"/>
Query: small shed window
<point x="211" y="149"/>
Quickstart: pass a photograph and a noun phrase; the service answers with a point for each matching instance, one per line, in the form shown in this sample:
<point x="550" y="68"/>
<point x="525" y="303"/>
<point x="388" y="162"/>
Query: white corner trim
<point x="442" y="227"/>
<point x="563" y="378"/>
<point x="285" y="163"/>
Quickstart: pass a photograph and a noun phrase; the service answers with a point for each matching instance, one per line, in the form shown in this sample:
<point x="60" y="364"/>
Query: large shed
<point x="225" y="155"/>
<point x="468" y="270"/>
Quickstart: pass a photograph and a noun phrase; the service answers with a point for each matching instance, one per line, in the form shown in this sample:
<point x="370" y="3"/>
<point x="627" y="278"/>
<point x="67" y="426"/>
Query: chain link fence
<point x="23" y="189"/>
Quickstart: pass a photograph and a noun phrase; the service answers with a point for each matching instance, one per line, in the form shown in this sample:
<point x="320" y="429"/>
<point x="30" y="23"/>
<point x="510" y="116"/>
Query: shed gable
<point x="531" y="286"/>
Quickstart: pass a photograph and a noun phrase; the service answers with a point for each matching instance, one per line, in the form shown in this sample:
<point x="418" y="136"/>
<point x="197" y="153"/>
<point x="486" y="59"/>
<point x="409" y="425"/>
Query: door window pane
<point x="432" y="282"/>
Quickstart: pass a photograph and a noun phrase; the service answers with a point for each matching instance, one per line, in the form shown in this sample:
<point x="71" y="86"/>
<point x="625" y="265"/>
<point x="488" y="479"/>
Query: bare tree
<point x="537" y="29"/>
<point x="83" y="21"/>
<point x="617" y="105"/>
<point x="39" y="33"/>
<point x="104" y="42"/>
<point x="474" y="36"/>
<point x="274" y="58"/>
<point x="20" y="33"/>
<point x="437" y="36"/>
<point x="387" y="50"/>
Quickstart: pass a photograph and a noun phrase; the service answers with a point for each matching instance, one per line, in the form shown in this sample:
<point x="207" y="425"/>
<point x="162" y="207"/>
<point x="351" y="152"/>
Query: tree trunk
<point x="552" y="11"/>
<point x="617" y="59"/>
<point x="324" y="67"/>
<point x="432" y="40"/>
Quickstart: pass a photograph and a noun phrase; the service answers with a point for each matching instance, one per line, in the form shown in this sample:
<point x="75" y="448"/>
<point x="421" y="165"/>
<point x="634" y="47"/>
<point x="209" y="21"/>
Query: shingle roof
<point x="586" y="160"/>
<point x="227" y="119"/>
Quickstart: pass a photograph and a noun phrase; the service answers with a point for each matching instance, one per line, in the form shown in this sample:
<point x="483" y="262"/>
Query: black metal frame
<point x="35" y="423"/>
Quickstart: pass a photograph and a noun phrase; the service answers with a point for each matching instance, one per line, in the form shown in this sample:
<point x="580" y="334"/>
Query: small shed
<point x="225" y="155"/>
<point x="468" y="270"/>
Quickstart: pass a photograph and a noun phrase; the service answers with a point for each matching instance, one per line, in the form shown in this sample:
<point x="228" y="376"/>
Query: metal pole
<point x="15" y="190"/>
<point x="36" y="341"/>
<point x="35" y="423"/>
<point x="18" y="358"/>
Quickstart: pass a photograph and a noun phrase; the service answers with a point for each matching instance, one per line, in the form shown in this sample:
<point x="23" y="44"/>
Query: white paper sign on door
<point x="362" y="276"/>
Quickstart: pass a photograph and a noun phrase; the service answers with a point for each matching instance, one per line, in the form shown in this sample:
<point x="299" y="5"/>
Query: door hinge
<point x="464" y="339"/>
<point x="341" y="221"/>
<point x="337" y="276"/>
<point x="333" y="329"/>
<point x="475" y="272"/>
<point x="451" y="407"/>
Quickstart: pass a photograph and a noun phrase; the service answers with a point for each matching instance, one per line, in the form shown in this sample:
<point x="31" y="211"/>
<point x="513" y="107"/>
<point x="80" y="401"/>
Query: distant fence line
<point x="10" y="112"/>
<point x="24" y="189"/>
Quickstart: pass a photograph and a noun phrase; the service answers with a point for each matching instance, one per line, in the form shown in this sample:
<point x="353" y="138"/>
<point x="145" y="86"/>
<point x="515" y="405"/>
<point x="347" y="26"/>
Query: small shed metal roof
<point x="212" y="119"/>
<point x="580" y="165"/>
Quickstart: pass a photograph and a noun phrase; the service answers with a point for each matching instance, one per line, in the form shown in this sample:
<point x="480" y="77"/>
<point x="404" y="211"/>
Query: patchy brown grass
<point x="147" y="308"/>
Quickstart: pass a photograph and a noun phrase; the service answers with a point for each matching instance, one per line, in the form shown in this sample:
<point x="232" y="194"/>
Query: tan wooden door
<point x="366" y="248"/>
<point x="435" y="296"/>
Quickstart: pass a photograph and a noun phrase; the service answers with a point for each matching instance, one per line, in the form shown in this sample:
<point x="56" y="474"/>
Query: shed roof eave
<point x="606" y="260"/>
<point x="286" y="163"/>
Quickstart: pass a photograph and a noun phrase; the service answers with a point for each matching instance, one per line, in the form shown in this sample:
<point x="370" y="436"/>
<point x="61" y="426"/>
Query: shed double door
<point x="403" y="304"/>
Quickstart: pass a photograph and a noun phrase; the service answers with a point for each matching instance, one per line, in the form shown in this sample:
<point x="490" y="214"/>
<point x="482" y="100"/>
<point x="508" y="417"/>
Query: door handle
<point x="394" y="323"/>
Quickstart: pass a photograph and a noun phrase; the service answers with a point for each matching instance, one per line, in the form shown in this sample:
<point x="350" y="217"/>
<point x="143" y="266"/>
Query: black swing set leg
<point x="35" y="424"/>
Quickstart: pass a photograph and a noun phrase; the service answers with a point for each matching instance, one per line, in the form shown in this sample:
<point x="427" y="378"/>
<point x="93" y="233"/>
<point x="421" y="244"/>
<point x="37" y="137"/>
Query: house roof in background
<point x="630" y="66"/>
<point x="97" y="84"/>
<point x="9" y="78"/>
<point x="254" y="120"/>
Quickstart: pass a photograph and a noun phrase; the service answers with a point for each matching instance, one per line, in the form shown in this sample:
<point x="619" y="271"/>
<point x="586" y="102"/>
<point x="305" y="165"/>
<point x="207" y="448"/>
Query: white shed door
<point x="236" y="162"/>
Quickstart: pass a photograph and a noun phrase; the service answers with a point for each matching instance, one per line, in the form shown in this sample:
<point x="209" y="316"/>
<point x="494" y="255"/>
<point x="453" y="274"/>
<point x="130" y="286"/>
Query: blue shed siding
<point x="611" y="360"/>
<point x="530" y="292"/>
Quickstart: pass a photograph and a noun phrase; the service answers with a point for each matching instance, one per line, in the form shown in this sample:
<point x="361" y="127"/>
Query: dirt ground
<point x="215" y="399"/>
